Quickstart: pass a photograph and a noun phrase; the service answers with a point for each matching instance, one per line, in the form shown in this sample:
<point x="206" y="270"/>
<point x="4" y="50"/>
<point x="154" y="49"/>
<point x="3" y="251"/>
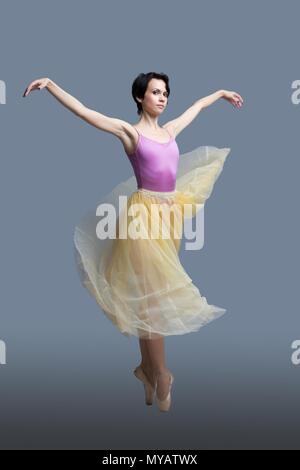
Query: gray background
<point x="68" y="380"/>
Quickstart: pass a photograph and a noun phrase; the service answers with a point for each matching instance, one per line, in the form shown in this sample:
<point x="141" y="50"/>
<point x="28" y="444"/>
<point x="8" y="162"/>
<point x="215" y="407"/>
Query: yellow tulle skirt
<point x="135" y="273"/>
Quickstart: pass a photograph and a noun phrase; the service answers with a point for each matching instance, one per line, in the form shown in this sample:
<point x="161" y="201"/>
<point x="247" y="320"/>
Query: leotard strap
<point x="151" y="139"/>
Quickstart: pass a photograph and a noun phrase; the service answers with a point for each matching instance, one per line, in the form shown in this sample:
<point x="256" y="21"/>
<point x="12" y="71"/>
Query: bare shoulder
<point x="128" y="137"/>
<point x="121" y="129"/>
<point x="171" y="128"/>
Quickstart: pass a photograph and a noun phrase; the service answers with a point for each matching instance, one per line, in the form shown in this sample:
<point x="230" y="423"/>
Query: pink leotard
<point x="155" y="164"/>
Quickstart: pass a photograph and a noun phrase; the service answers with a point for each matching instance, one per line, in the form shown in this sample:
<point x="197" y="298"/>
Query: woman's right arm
<point x="116" y="126"/>
<point x="63" y="97"/>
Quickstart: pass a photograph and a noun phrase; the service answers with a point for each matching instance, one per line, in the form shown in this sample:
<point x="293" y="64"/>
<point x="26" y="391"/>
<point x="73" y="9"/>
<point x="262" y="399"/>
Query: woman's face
<point x="156" y="97"/>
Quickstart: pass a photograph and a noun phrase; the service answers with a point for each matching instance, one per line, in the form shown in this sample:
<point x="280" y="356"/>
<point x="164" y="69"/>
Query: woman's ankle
<point x="154" y="374"/>
<point x="161" y="372"/>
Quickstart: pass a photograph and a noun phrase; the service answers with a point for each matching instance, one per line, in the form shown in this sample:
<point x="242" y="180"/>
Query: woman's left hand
<point x="234" y="98"/>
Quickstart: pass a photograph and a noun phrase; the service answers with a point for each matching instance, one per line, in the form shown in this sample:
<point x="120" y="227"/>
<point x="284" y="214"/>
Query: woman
<point x="139" y="282"/>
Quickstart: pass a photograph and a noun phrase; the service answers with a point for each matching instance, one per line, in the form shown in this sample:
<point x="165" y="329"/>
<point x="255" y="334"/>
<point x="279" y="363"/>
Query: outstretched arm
<point x="105" y="123"/>
<point x="179" y="123"/>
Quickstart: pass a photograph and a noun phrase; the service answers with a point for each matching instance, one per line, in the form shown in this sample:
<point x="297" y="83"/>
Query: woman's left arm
<point x="179" y="123"/>
<point x="234" y="98"/>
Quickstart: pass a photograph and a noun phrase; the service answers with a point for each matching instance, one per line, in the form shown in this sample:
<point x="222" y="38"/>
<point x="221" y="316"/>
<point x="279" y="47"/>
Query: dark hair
<point x="140" y="84"/>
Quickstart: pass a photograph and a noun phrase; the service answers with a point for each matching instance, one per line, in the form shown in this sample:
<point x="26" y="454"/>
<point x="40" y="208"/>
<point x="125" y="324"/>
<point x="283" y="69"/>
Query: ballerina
<point x="140" y="284"/>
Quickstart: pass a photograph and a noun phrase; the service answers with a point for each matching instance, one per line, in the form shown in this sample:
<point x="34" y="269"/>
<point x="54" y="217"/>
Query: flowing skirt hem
<point x="142" y="287"/>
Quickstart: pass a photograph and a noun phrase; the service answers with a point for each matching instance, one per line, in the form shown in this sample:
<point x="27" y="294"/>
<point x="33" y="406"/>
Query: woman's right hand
<point x="38" y="84"/>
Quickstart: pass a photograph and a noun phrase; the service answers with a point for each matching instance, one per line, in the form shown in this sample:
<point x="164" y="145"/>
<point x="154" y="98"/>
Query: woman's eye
<point x="165" y="94"/>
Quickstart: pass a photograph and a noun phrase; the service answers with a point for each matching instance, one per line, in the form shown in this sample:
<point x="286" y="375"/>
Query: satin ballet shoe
<point x="149" y="389"/>
<point x="164" y="405"/>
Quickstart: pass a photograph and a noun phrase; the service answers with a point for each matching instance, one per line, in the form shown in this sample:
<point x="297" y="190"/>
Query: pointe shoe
<point x="149" y="389"/>
<point x="164" y="405"/>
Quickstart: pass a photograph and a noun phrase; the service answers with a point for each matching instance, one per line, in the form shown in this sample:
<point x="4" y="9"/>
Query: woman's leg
<point x="153" y="364"/>
<point x="145" y="360"/>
